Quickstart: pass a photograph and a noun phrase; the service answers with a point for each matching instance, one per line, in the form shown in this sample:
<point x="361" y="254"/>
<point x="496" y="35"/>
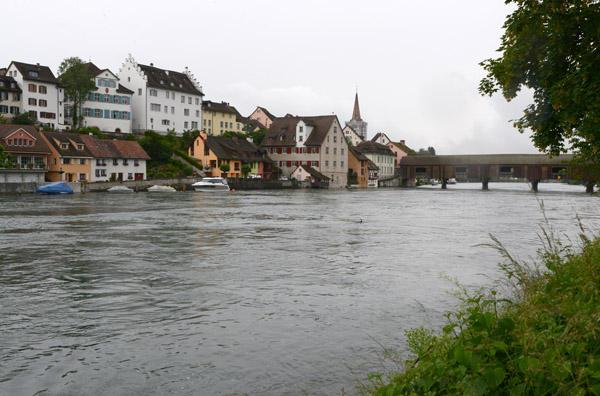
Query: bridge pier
<point x="534" y="185"/>
<point x="484" y="184"/>
<point x="589" y="187"/>
<point x="444" y="184"/>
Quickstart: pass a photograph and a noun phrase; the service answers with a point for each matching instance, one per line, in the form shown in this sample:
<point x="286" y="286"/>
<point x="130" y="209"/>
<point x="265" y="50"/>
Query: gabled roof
<point x="222" y="107"/>
<point x="57" y="138"/>
<point x="371" y="165"/>
<point x="359" y="156"/>
<point x="170" y="80"/>
<point x="313" y="172"/>
<point x="378" y="135"/>
<point x="404" y="148"/>
<point x="286" y="127"/>
<point x="100" y="148"/>
<point x="369" y="147"/>
<point x="267" y="112"/>
<point x="40" y="144"/>
<point x="235" y="149"/>
<point x="44" y="74"/>
<point x="10" y="85"/>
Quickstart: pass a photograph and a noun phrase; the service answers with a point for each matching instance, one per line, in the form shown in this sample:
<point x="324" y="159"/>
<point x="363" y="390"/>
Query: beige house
<point x="316" y="141"/>
<point x="351" y="136"/>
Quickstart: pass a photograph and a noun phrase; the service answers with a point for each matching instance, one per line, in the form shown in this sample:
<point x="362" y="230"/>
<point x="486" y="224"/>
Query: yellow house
<point x="70" y="161"/>
<point x="213" y="151"/>
<point x="218" y="118"/>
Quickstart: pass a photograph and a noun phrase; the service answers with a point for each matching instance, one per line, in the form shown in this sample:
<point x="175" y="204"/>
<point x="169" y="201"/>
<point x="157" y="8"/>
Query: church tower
<point x="356" y="123"/>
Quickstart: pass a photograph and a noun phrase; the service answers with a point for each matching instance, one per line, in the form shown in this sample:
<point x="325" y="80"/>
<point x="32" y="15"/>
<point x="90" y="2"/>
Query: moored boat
<point x="120" y="189"/>
<point x="211" y="184"/>
<point x="157" y="188"/>
<point x="55" y="188"/>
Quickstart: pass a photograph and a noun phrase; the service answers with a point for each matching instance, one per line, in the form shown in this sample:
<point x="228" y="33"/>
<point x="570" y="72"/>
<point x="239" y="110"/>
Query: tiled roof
<point x="8" y="81"/>
<point x="128" y="149"/>
<point x="222" y="107"/>
<point x="40" y="144"/>
<point x="371" y="165"/>
<point x="235" y="149"/>
<point x="286" y="126"/>
<point x="373" y="148"/>
<point x="267" y="112"/>
<point x="359" y="156"/>
<point x="44" y="74"/>
<point x="170" y="80"/>
<point x="102" y="148"/>
<point x="404" y="148"/>
<point x="56" y="138"/>
<point x="97" y="147"/>
<point x="314" y="173"/>
<point x="488" y="159"/>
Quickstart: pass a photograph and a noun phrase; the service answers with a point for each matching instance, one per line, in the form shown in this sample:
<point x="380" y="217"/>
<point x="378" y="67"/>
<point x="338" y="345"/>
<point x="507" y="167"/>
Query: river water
<point x="249" y="293"/>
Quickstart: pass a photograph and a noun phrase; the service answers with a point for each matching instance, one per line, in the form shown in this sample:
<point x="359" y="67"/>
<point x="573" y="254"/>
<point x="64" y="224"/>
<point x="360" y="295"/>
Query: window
<point x="342" y="151"/>
<point x="136" y="162"/>
<point x="185" y="124"/>
<point x="166" y="122"/>
<point x="139" y="91"/>
<point x="197" y="101"/>
<point x="66" y="161"/>
<point x="130" y="176"/>
<point x="198" y="113"/>
<point x="82" y="176"/>
<point x="189" y="100"/>
<point x="341" y="164"/>
<point x="186" y="112"/>
<point x="64" y="146"/>
<point x="334" y="139"/>
<point x="43" y="103"/>
<point x="152" y="92"/>
<point x="334" y="163"/>
<point x="115" y="161"/>
<point x="43" y="89"/>
<point x="334" y="151"/>
<point x="182" y="99"/>
<point x="166" y="109"/>
<point x="80" y="147"/>
<point x="327" y="163"/>
<point x="32" y="102"/>
<point x="125" y="162"/>
<point x="172" y="110"/>
<point x="154" y="107"/>
<point x="301" y="129"/>
<point x="194" y="124"/>
<point x="326" y="150"/>
<point x="81" y="161"/>
<point x="167" y="93"/>
<point x="33" y="73"/>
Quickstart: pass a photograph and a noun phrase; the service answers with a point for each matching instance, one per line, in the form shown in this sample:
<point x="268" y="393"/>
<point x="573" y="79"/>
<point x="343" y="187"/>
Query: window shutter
<point x="120" y="99"/>
<point x="106" y="113"/>
<point x="128" y="115"/>
<point x="101" y="97"/>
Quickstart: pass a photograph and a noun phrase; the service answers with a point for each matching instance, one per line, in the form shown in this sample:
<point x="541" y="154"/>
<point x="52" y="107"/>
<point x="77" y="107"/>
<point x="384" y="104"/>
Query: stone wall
<point x="391" y="182"/>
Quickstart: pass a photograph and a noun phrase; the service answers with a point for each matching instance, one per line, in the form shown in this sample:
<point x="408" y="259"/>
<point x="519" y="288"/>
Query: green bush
<point x="545" y="340"/>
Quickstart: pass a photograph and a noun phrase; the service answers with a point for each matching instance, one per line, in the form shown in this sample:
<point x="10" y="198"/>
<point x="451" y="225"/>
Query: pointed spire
<point x="356" y="112"/>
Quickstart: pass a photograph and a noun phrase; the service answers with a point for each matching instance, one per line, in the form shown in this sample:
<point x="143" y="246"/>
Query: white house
<point x="351" y="136"/>
<point x="116" y="159"/>
<point x="382" y="156"/>
<point x="41" y="94"/>
<point x="108" y="107"/>
<point x="316" y="141"/>
<point x="162" y="99"/>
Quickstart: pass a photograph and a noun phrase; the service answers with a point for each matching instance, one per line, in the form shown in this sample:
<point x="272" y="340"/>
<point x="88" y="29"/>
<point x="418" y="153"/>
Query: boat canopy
<point x="55" y="188"/>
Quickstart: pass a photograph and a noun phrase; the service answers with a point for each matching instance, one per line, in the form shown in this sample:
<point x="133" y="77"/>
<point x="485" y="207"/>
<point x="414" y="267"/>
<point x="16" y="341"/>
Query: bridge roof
<point x="486" y="159"/>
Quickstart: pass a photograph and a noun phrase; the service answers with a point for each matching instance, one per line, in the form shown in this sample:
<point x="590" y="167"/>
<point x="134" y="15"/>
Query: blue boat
<point x="55" y="188"/>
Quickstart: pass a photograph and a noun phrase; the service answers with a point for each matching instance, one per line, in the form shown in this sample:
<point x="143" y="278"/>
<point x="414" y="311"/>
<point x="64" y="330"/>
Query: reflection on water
<point x="257" y="293"/>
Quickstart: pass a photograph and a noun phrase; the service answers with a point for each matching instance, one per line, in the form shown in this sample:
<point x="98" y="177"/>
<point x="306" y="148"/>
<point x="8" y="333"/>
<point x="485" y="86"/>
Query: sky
<point x="415" y="64"/>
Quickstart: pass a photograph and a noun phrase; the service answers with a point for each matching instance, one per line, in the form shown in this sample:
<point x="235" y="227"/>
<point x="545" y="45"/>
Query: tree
<point x="25" y="118"/>
<point x="431" y="150"/>
<point x="78" y="84"/>
<point x="224" y="168"/>
<point x="552" y="47"/>
<point x="245" y="170"/>
<point x="6" y="159"/>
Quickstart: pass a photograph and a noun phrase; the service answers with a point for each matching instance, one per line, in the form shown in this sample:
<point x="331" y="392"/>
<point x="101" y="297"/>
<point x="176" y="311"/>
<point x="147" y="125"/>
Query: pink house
<point x="399" y="149"/>
<point x="263" y="116"/>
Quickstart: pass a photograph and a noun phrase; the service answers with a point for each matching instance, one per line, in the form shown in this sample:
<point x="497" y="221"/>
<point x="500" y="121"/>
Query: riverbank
<point x="543" y="340"/>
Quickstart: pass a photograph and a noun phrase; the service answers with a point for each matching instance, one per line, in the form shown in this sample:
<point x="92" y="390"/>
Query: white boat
<point x="120" y="189"/>
<point x="452" y="181"/>
<point x="157" y="188"/>
<point x="211" y="184"/>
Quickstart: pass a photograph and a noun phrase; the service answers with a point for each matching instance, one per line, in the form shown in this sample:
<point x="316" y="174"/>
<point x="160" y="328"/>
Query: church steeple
<point x="356" y="112"/>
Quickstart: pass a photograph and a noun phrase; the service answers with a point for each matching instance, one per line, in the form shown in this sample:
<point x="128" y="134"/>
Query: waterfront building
<point x="41" y="94"/>
<point x="316" y="141"/>
<point x="352" y="137"/>
<point x="305" y="173"/>
<point x="358" y="168"/>
<point x="373" y="174"/>
<point x="263" y="116"/>
<point x="70" y="159"/>
<point x="30" y="154"/>
<point x="108" y="107"/>
<point x="357" y="123"/>
<point x="116" y="160"/>
<point x="381" y="155"/>
<point x="213" y="151"/>
<point x="400" y="149"/>
<point x="10" y="97"/>
<point x="162" y="99"/>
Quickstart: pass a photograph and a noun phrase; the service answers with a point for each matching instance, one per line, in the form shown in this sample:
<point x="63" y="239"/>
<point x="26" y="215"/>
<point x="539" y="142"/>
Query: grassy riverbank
<point x="542" y="340"/>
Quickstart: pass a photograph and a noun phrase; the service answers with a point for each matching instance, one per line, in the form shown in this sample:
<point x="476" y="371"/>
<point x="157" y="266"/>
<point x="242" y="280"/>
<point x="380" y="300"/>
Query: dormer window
<point x="281" y="138"/>
<point x="300" y="129"/>
<point x="180" y="85"/>
<point x="80" y="147"/>
<point x="10" y="142"/>
<point x="162" y="82"/>
<point x="33" y="73"/>
<point x="64" y="146"/>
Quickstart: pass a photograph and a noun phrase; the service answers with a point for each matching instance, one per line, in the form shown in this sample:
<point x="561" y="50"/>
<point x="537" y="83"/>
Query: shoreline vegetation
<point x="537" y="332"/>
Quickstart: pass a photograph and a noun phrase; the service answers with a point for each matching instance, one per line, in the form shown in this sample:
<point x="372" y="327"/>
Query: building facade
<point x="381" y="156"/>
<point x="41" y="94"/>
<point x="108" y="107"/>
<point x="263" y="116"/>
<point x="70" y="160"/>
<point x="162" y="99"/>
<point x="316" y="141"/>
<point x="10" y="97"/>
<point x="358" y="168"/>
<point x="218" y="118"/>
<point x="351" y="136"/>
<point x="29" y="153"/>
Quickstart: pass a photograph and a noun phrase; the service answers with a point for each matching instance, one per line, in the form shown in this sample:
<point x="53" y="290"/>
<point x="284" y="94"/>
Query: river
<point x="246" y="293"/>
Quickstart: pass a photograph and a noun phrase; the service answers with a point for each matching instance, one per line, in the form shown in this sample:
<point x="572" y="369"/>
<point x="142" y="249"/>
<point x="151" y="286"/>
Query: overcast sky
<point x="415" y="63"/>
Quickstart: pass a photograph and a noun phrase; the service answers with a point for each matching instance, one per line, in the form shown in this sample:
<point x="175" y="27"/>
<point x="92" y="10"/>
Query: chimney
<point x="151" y="64"/>
<point x="403" y="142"/>
<point x="37" y="64"/>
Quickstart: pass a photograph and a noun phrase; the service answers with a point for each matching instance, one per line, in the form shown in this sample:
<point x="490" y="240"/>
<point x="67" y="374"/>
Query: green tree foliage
<point x="246" y="169"/>
<point x="553" y="48"/>
<point x="429" y="151"/>
<point x="258" y="135"/>
<point x="187" y="138"/>
<point x="25" y="118"/>
<point x="77" y="84"/>
<point x="225" y="168"/>
<point x="158" y="147"/>
<point x="6" y="160"/>
<point x="92" y="130"/>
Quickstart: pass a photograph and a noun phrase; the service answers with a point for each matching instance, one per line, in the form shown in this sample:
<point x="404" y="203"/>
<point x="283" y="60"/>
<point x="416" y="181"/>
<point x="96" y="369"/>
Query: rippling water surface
<point x="251" y="293"/>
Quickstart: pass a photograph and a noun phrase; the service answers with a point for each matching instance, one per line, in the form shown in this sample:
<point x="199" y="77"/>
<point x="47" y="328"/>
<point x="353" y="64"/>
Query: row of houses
<point x="71" y="157"/>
